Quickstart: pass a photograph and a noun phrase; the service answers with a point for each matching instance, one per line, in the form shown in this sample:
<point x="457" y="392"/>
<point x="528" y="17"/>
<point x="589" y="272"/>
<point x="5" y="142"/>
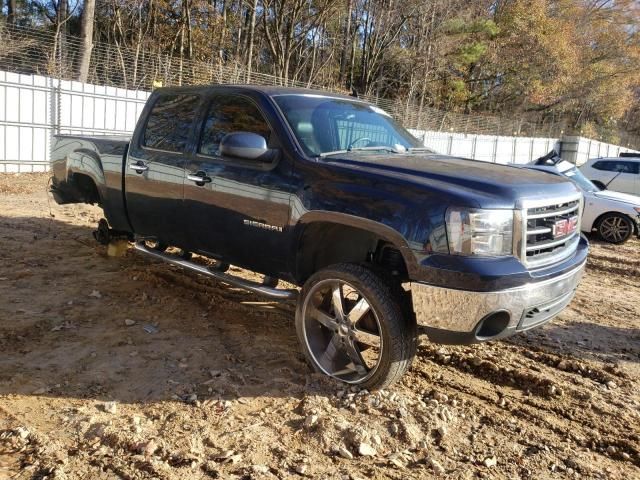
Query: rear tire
<point x="352" y="326"/>
<point x="615" y="228"/>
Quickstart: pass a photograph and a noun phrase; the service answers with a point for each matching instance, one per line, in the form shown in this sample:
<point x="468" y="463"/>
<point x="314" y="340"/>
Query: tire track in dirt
<point x="565" y="363"/>
<point x="538" y="381"/>
<point x="543" y="381"/>
<point x="611" y="268"/>
<point x="612" y="258"/>
<point x="551" y="419"/>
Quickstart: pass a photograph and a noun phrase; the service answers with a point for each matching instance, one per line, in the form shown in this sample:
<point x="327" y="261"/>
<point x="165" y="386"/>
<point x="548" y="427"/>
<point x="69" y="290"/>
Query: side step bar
<point x="279" y="294"/>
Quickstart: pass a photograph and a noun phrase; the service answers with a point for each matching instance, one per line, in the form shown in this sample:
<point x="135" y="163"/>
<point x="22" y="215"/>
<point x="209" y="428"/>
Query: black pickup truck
<point x="329" y="193"/>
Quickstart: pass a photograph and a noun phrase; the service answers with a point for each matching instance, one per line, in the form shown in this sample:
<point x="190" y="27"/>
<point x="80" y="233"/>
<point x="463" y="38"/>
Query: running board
<point x="279" y="294"/>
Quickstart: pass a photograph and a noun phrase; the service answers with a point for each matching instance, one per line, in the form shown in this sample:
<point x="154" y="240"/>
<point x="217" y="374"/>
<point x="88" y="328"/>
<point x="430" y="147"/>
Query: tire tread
<point x="399" y="322"/>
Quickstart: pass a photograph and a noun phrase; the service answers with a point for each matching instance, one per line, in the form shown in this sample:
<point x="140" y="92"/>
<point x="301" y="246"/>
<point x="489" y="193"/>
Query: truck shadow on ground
<point x="76" y="322"/>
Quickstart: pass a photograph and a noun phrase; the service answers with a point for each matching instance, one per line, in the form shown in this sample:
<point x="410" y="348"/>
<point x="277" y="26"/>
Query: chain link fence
<point x="42" y="52"/>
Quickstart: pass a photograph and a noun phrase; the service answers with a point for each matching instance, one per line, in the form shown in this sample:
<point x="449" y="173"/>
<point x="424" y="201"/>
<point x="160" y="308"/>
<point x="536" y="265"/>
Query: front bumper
<point x="461" y="316"/>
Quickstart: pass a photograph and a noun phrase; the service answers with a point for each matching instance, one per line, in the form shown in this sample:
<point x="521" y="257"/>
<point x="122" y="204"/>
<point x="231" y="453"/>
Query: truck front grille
<point x="552" y="232"/>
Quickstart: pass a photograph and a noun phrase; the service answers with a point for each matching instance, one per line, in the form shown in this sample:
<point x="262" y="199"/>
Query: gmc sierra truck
<point x="329" y="193"/>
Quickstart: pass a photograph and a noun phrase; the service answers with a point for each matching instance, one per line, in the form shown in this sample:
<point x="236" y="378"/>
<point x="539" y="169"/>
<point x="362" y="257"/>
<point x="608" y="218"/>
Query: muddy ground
<point x="126" y="368"/>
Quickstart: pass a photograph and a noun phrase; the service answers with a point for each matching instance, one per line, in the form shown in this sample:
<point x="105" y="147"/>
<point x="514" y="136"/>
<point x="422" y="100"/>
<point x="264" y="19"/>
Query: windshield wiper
<point x="359" y="149"/>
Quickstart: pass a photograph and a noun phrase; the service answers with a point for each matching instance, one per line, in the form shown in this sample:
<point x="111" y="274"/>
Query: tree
<point x="251" y="38"/>
<point x="11" y="12"/>
<point x="86" y="38"/>
<point x="288" y="26"/>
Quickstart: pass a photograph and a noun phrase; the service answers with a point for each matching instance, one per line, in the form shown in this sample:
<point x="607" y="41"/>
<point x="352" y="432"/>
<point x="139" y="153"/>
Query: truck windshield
<point x="583" y="182"/>
<point x="324" y="125"/>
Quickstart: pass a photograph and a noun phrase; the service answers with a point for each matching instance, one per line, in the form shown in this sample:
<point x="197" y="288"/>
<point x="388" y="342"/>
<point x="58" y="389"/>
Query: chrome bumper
<point x="462" y="312"/>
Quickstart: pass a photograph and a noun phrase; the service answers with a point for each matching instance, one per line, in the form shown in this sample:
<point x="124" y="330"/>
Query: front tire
<point x="615" y="228"/>
<point x="351" y="325"/>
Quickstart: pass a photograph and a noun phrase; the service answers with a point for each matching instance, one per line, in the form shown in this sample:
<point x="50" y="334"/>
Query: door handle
<point x="200" y="178"/>
<point x="139" y="167"/>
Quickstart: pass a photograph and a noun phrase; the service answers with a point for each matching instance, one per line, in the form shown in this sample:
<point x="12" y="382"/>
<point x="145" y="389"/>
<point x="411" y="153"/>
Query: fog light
<point x="492" y="325"/>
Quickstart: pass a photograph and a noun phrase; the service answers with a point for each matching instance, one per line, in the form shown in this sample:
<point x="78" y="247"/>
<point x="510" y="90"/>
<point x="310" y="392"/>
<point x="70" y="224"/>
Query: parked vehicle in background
<point x="329" y="193"/>
<point x="614" y="215"/>
<point x="620" y="174"/>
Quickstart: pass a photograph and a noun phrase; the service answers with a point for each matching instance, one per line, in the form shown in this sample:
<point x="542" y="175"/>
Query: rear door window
<point x="170" y="122"/>
<point x="617" y="166"/>
<point x="231" y="114"/>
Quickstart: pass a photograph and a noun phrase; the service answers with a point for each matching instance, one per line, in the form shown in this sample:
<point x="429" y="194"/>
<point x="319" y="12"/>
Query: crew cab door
<point x="240" y="209"/>
<point x="154" y="168"/>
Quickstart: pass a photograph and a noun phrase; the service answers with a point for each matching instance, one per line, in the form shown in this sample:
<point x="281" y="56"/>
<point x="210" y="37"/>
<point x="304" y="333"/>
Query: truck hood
<point x="618" y="197"/>
<point x="481" y="184"/>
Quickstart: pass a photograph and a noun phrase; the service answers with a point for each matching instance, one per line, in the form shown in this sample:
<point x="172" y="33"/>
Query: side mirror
<point x="247" y="146"/>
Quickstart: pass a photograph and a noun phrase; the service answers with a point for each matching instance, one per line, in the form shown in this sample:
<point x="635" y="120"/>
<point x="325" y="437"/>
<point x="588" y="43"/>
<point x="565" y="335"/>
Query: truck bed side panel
<point x="101" y="159"/>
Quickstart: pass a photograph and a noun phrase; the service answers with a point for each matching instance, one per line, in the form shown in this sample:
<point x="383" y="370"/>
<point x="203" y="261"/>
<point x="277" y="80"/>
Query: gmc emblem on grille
<point x="564" y="227"/>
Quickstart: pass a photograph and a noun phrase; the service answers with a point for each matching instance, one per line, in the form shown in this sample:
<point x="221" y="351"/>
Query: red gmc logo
<point x="564" y="227"/>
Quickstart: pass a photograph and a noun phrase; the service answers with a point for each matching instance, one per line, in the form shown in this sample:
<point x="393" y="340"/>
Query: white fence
<point x="499" y="149"/>
<point x="33" y="108"/>
<point x="488" y="148"/>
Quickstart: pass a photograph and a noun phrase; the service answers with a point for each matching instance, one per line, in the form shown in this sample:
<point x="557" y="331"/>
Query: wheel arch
<point x="324" y="238"/>
<point x="86" y="188"/>
<point x="86" y="174"/>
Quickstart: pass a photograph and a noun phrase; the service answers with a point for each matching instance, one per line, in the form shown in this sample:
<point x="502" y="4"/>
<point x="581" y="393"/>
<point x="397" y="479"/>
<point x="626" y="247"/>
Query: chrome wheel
<point x="615" y="229"/>
<point x="342" y="331"/>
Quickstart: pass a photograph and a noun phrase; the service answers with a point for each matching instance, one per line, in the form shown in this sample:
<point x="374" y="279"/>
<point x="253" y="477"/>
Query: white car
<point x="621" y="174"/>
<point x="614" y="215"/>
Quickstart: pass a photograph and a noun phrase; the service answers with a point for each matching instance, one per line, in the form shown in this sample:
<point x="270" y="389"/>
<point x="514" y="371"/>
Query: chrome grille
<point x="545" y="241"/>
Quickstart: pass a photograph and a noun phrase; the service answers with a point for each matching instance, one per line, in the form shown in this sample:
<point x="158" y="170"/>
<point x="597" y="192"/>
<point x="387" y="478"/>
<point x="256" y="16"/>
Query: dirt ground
<point x="128" y="368"/>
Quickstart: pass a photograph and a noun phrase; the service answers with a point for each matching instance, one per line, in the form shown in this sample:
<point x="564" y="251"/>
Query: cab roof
<point x="268" y="90"/>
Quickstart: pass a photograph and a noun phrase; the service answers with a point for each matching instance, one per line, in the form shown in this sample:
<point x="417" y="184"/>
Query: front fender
<point x="383" y="231"/>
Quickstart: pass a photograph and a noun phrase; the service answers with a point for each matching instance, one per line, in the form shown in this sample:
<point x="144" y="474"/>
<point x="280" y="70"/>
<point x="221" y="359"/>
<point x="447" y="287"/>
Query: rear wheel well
<point x="325" y="243"/>
<point x="86" y="188"/>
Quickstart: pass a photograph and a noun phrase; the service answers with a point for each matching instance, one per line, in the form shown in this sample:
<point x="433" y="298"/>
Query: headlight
<point x="480" y="232"/>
